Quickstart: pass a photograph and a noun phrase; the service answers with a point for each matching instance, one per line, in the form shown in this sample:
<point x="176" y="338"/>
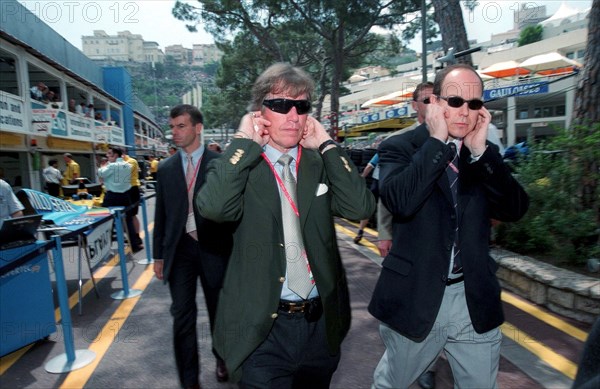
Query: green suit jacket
<point x="240" y="187"/>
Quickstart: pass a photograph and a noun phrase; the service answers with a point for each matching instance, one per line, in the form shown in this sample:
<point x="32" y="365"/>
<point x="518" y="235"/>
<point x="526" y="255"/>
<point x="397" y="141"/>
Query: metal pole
<point x="424" y="40"/>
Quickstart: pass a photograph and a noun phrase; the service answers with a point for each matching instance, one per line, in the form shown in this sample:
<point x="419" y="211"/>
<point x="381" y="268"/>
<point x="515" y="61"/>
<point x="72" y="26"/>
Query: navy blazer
<point x="171" y="215"/>
<point x="413" y="185"/>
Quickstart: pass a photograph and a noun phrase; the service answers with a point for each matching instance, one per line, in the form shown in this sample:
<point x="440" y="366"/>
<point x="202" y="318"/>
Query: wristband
<point x="327" y="143"/>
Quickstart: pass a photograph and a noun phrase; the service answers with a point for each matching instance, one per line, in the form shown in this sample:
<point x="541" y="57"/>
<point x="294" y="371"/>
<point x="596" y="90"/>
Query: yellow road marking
<point x="110" y="331"/>
<point x="10" y="359"/>
<point x="369" y="230"/>
<point x="363" y="242"/>
<point x="555" y="360"/>
<point x="546" y="317"/>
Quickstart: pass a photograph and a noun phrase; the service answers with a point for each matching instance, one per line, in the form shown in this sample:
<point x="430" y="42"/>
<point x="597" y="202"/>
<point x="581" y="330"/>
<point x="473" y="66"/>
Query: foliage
<point x="311" y="33"/>
<point x="531" y="34"/>
<point x="561" y="221"/>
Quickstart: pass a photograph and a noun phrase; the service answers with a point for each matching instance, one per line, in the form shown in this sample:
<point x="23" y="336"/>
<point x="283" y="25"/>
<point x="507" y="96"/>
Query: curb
<point x="562" y="291"/>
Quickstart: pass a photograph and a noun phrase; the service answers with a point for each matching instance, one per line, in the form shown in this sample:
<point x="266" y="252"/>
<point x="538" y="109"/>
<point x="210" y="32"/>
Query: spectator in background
<point x="52" y="177"/>
<point x="72" y="106"/>
<point x="371" y="167"/>
<point x="172" y="150"/>
<point x="10" y="206"/>
<point x="98" y="116"/>
<point x="89" y="113"/>
<point x="116" y="177"/>
<point x="72" y="171"/>
<point x="80" y="109"/>
<point x="153" y="167"/>
<point x="37" y="91"/>
<point x="134" y="197"/>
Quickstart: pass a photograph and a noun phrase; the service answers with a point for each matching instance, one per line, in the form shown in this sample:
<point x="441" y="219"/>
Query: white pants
<point x="474" y="358"/>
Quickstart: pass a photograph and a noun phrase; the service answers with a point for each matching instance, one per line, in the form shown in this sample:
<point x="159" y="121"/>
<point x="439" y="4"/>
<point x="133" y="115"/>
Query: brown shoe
<point x="222" y="374"/>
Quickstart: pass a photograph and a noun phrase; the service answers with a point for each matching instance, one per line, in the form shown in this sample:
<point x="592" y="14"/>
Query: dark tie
<point x="452" y="172"/>
<point x="298" y="271"/>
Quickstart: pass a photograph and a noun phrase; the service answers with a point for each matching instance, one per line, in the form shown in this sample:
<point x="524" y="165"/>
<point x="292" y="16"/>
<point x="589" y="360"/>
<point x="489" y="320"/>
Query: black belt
<point x="312" y="309"/>
<point x="297" y="306"/>
<point x="452" y="281"/>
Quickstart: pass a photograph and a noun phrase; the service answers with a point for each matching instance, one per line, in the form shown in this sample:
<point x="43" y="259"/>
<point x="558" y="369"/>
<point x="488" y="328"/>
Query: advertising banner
<point x="12" y="118"/>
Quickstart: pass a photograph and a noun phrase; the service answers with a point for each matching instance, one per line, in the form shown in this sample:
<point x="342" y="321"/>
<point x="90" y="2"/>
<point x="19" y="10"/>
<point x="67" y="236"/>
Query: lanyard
<point x="193" y="181"/>
<point x="280" y="181"/>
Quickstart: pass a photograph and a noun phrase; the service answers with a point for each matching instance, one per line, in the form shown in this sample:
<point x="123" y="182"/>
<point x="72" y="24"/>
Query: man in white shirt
<point x="53" y="177"/>
<point x="116" y="175"/>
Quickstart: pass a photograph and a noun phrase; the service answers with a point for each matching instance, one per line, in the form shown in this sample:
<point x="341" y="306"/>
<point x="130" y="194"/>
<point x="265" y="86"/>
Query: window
<point x="547" y="111"/>
<point x="523" y="113"/>
<point x="581" y="53"/>
<point x="560" y="110"/>
<point x="537" y="112"/>
<point x="570" y="55"/>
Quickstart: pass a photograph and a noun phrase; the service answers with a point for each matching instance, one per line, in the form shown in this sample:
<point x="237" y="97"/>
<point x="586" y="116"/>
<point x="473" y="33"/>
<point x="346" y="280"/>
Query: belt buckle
<point x="296" y="307"/>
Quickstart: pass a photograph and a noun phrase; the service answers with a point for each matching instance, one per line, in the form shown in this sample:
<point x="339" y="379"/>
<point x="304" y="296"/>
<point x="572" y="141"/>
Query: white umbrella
<point x="390" y="99"/>
<point x="504" y="69"/>
<point x="549" y="63"/>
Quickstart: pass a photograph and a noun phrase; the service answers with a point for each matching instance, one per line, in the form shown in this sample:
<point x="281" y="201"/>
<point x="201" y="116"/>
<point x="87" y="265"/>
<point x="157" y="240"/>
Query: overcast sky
<point x="154" y="21"/>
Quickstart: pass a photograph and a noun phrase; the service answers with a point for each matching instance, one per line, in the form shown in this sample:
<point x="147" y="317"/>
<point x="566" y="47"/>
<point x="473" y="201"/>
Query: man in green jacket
<point x="270" y="331"/>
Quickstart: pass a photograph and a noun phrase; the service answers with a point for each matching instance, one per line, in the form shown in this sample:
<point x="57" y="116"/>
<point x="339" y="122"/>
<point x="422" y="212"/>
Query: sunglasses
<point x="457" y="102"/>
<point x="284" y="105"/>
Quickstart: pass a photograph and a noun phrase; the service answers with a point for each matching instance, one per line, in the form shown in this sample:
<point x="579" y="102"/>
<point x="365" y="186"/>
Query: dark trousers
<point x="114" y="199"/>
<point x="183" y="281"/>
<point x="294" y="355"/>
<point x="53" y="189"/>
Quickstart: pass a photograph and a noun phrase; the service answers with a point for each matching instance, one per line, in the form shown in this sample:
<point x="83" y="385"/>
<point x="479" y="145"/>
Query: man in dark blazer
<point x="186" y="246"/>
<point x="437" y="288"/>
<point x="270" y="335"/>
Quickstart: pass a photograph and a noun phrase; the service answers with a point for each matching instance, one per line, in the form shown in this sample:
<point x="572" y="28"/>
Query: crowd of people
<point x="258" y="234"/>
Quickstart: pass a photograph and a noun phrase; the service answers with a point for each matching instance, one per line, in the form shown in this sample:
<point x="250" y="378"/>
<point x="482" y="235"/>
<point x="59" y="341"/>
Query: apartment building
<point x="123" y="47"/>
<point x="204" y="54"/>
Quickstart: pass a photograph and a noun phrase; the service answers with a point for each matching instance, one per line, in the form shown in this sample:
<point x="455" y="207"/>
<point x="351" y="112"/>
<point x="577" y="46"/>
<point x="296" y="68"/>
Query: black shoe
<point x="136" y="249"/>
<point x="222" y="374"/>
<point x="427" y="380"/>
<point x="358" y="236"/>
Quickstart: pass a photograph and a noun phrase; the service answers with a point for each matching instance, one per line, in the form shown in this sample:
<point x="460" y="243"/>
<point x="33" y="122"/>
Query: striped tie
<point x="452" y="172"/>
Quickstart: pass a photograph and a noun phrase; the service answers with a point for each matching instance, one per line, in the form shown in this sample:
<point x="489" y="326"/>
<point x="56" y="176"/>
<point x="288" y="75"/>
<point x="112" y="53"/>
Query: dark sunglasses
<point x="457" y="102"/>
<point x="284" y="105"/>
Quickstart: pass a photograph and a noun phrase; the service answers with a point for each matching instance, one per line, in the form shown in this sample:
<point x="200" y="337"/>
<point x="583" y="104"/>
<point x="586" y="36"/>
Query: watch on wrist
<point x="327" y="143"/>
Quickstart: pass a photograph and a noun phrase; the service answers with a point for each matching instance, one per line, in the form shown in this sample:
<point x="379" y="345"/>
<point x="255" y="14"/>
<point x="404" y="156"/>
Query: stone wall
<point x="562" y="291"/>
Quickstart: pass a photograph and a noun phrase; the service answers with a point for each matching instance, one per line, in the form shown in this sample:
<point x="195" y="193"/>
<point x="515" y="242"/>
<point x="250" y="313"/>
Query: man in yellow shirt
<point x="72" y="172"/>
<point x="153" y="167"/>
<point x="134" y="196"/>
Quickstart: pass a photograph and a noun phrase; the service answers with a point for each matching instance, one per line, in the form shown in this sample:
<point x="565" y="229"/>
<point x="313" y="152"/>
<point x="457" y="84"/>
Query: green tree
<point x="531" y="34"/>
<point x="330" y="31"/>
<point x="559" y="222"/>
